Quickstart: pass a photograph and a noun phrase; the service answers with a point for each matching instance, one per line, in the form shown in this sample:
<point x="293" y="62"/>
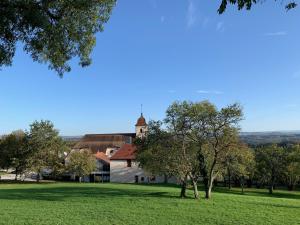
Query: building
<point x="118" y="153"/>
<point x="124" y="168"/>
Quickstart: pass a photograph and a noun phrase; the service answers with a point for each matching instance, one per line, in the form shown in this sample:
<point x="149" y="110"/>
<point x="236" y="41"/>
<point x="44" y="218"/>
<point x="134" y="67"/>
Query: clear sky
<point x="157" y="51"/>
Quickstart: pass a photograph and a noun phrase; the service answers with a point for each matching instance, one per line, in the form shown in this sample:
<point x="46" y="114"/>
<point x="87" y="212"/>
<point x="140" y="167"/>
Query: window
<point x="128" y="162"/>
<point x="142" y="179"/>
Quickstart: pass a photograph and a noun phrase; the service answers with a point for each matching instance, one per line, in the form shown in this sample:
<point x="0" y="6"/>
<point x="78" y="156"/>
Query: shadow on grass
<point x="26" y="182"/>
<point x="259" y="193"/>
<point x="62" y="193"/>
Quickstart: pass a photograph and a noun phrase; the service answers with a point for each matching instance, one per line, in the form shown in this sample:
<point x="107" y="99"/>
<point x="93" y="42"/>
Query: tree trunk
<point x="242" y="184"/>
<point x="205" y="182"/>
<point x="271" y="189"/>
<point x="183" y="188"/>
<point x="195" y="187"/>
<point x="229" y="179"/>
<point x="210" y="186"/>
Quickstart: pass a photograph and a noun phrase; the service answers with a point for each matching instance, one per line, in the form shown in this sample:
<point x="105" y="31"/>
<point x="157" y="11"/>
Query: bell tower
<point x="141" y="126"/>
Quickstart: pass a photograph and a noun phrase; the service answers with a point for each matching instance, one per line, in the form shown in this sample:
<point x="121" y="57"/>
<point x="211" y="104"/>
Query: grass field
<point x="72" y="203"/>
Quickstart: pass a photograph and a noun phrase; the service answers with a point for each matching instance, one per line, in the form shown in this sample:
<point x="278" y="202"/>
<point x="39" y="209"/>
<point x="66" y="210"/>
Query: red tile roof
<point x="102" y="156"/>
<point x="141" y="121"/>
<point x="127" y="151"/>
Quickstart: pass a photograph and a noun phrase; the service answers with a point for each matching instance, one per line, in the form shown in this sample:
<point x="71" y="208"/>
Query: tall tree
<point x="214" y="131"/>
<point x="52" y="32"/>
<point x="81" y="163"/>
<point x="270" y="164"/>
<point x="178" y="122"/>
<point x="47" y="148"/>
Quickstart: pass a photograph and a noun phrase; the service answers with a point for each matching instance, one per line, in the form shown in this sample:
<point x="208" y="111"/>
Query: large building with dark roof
<point x="117" y="152"/>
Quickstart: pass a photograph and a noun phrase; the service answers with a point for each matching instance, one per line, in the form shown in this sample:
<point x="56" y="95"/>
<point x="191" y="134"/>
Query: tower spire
<point x="141" y="109"/>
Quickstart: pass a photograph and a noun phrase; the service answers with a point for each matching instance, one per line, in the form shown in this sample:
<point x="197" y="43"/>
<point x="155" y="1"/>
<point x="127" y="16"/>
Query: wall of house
<point x="120" y="173"/>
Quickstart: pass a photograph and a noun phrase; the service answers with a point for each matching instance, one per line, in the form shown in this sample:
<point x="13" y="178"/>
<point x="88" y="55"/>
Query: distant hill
<point x="258" y="138"/>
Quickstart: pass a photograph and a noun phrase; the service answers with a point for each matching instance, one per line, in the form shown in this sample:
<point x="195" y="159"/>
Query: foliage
<point x="239" y="163"/>
<point x="195" y="142"/>
<point x="292" y="167"/>
<point x="75" y="204"/>
<point x="81" y="162"/>
<point x="270" y="164"/>
<point x="215" y="132"/>
<point x="247" y="4"/>
<point x="155" y="150"/>
<point x="47" y="148"/>
<point x="14" y="152"/>
<point x="178" y="123"/>
<point x="52" y="31"/>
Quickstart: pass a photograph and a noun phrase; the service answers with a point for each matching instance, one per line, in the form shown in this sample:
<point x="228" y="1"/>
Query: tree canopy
<point x="247" y="4"/>
<point x="47" y="148"/>
<point x="195" y="142"/>
<point x="52" y="32"/>
<point x="81" y="163"/>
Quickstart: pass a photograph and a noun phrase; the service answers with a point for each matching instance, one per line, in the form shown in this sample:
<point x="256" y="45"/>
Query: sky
<point x="156" y="52"/>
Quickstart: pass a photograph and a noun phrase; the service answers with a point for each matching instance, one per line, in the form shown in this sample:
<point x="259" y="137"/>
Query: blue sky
<point x="155" y="52"/>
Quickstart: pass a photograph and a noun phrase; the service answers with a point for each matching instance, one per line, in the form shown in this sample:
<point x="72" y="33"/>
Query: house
<point x="102" y="172"/>
<point x="116" y="156"/>
<point x="124" y="168"/>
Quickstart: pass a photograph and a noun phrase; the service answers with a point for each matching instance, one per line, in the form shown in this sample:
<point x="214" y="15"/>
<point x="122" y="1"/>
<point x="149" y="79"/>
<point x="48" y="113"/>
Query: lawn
<point x="73" y="203"/>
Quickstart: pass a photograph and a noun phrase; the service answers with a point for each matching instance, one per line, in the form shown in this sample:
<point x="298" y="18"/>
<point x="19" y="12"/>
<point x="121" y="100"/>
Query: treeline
<point x="42" y="151"/>
<point x="196" y="142"/>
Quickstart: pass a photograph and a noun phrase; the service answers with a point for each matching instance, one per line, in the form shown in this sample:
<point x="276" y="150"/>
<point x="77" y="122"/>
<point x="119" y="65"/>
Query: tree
<point x="247" y="4"/>
<point x="215" y="132"/>
<point x="239" y="164"/>
<point x="195" y="143"/>
<point x="52" y="31"/>
<point x="81" y="163"/>
<point x="47" y="148"/>
<point x="270" y="164"/>
<point x="292" y="170"/>
<point x="14" y="152"/>
<point x="184" y="152"/>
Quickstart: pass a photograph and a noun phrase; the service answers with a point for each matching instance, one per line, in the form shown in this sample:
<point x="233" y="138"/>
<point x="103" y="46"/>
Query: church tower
<point x="141" y="127"/>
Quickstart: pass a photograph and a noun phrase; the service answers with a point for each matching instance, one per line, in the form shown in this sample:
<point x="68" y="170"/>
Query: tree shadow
<point x="26" y="182"/>
<point x="259" y="193"/>
<point x="46" y="193"/>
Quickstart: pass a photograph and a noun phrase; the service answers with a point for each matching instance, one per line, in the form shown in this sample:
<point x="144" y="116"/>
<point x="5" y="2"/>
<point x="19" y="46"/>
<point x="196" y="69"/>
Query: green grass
<point x="73" y="203"/>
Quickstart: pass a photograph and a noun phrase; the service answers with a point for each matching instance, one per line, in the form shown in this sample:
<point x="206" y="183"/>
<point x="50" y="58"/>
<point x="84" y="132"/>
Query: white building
<point x="118" y="152"/>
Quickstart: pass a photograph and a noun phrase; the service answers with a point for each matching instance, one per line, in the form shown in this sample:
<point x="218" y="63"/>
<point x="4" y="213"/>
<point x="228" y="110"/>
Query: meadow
<point x="86" y="203"/>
